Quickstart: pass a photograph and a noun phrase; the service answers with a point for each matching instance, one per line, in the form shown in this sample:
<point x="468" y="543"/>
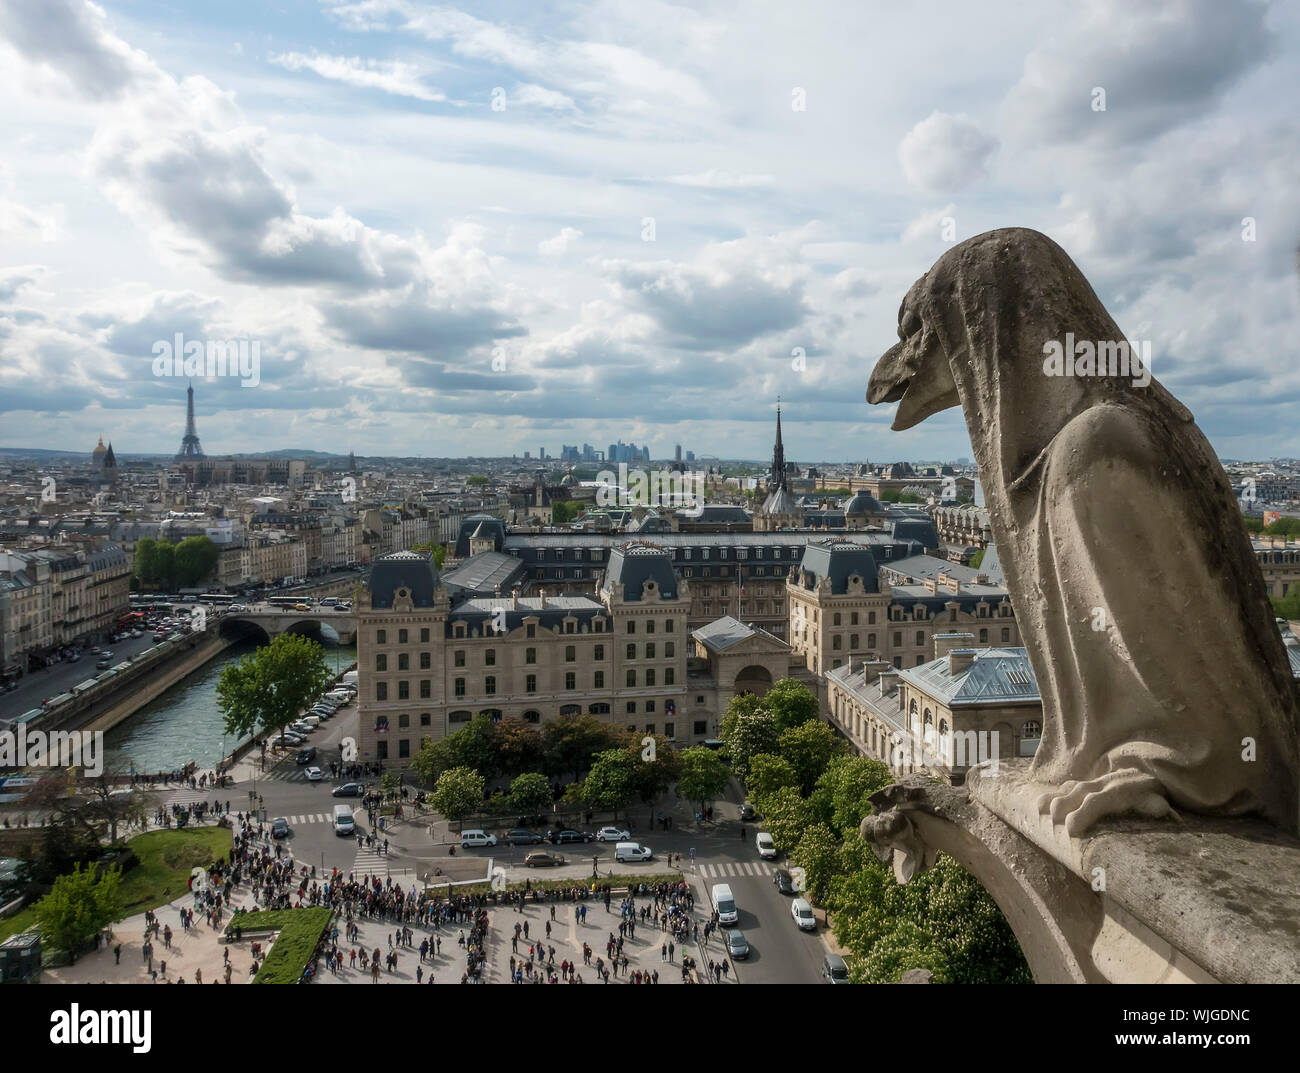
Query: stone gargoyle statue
<point x="1164" y="682"/>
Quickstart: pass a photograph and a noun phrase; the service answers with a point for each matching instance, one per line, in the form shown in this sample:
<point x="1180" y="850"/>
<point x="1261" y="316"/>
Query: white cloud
<point x="559" y="244"/>
<point x="945" y="152"/>
<point x="722" y="180"/>
<point x="391" y="76"/>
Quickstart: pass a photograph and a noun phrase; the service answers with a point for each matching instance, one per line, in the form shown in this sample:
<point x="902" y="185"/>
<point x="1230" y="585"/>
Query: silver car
<point x="737" y="945"/>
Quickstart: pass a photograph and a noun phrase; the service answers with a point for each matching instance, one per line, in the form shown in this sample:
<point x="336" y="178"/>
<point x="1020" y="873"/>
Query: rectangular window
<point x="424" y="635"/>
<point x="600" y="680"/>
<point x="631" y="652"/>
<point x="700" y="728"/>
<point x="530" y="684"/>
<point x="531" y="631"/>
<point x="669" y="677"/>
<point x="670" y="730"/>
<point x="403" y="661"/>
<point x="871" y="640"/>
<point x="650" y="677"/>
<point x="460" y="658"/>
<point x="381" y="662"/>
<point x="570" y="653"/>
<point x="381" y="637"/>
<point x="425" y="719"/>
<point x="382" y="749"/>
<point x="1006" y="636"/>
<point x="404" y="748"/>
<point x="401" y="637"/>
<point x="425" y="689"/>
<point x="871" y="618"/>
<point x="489" y="685"/>
<point x="650" y="650"/>
<point x="490" y="657"/>
<point x="650" y="728"/>
<point x="600" y="653"/>
<point x="381" y="691"/>
<point x="649" y="706"/>
<point x="669" y="650"/>
<point x="570" y="680"/>
<point x="425" y="661"/>
<point x="650" y="626"/>
<point x="631" y="707"/>
<point x="530" y="655"/>
<point x="920" y="638"/>
<point x="631" y="625"/>
<point x="460" y="687"/>
<point x="631" y="678"/>
<point x="403" y="690"/>
<point x="898" y="639"/>
<point x="403" y="721"/>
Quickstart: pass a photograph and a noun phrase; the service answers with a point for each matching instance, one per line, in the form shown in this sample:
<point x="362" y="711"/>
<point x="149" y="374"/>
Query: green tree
<point x="611" y="782"/>
<point x="570" y="742"/>
<point x="841" y="797"/>
<point x="809" y="749"/>
<point x="747" y="735"/>
<point x="786" y="816"/>
<point x="270" y="687"/>
<point x="195" y="558"/>
<point x="390" y="786"/>
<point x="518" y="746"/>
<point x="435" y="757"/>
<point x="704" y="775"/>
<point x="792" y="703"/>
<point x="977" y="559"/>
<point x="476" y="480"/>
<point x="653" y="772"/>
<point x="530" y="792"/>
<point x="146" y="559"/>
<point x="767" y="774"/>
<point x="818" y="854"/>
<point x="1288" y="606"/>
<point x="458" y="792"/>
<point x="79" y="906"/>
<point x="564" y="511"/>
<point x="476" y="746"/>
<point x="164" y="561"/>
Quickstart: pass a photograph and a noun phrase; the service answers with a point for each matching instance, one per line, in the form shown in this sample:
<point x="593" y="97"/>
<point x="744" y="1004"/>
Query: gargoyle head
<point x="914" y="372"/>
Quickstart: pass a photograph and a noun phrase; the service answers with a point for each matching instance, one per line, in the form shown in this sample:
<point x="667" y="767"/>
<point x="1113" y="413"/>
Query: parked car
<point x="766" y="847"/>
<point x="299" y="727"/>
<point x="279" y="827"/>
<point x="288" y="737"/>
<point x="803" y="914"/>
<point x="613" y="834"/>
<point x="476" y="838"/>
<point x="834" y="969"/>
<point x="737" y="945"/>
<point x="747" y="812"/>
<point x="541" y="857"/>
<point x="314" y="774"/>
<point x="784" y="881"/>
<point x="348" y="789"/>
<point x="521" y="836"/>
<point x="570" y="835"/>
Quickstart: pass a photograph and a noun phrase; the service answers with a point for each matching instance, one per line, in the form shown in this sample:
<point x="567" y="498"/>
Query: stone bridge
<point x="263" y="626"/>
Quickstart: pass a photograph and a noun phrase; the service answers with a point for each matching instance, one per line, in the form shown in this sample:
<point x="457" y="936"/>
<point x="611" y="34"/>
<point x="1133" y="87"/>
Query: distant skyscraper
<point x="690" y="456"/>
<point x="678" y="456"/>
<point x="190" y="444"/>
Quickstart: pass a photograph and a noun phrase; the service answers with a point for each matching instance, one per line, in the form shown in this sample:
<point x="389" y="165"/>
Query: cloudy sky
<point x="486" y="229"/>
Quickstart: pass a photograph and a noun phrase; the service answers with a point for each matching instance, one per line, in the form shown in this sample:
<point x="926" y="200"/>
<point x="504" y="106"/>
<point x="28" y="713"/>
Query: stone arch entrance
<point x="754" y="679"/>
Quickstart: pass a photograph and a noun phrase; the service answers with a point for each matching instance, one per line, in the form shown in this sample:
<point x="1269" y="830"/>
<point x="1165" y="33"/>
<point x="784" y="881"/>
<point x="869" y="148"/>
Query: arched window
<point x="532" y="717"/>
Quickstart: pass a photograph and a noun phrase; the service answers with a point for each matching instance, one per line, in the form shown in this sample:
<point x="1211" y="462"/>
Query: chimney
<point x="514" y="598"/>
<point x="959" y="660"/>
<point x="541" y="593"/>
<point x="888" y="679"/>
<point x="946" y="642"/>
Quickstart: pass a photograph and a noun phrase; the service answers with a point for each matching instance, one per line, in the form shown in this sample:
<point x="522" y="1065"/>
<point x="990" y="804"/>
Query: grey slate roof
<point x="480" y="613"/>
<point x="991" y="565"/>
<point x="722" y="633"/>
<point x="482" y="573"/>
<point x="922" y="530"/>
<point x="479" y="525"/>
<point x="863" y="502"/>
<point x="995" y="676"/>
<point x="838" y="560"/>
<point x="632" y="565"/>
<point x="402" y="570"/>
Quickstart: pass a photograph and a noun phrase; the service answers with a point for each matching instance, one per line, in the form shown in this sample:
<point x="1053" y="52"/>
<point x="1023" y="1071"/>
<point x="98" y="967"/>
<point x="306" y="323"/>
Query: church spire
<point x="778" y="454"/>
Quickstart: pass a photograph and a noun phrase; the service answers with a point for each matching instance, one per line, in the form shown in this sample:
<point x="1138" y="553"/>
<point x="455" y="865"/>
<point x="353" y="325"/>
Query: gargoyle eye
<point x="908" y="323"/>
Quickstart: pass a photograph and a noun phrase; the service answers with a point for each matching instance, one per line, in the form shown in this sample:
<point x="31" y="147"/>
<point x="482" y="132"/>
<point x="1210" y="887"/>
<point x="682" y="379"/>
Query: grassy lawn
<point x="167" y="858"/>
<point x="300" y="930"/>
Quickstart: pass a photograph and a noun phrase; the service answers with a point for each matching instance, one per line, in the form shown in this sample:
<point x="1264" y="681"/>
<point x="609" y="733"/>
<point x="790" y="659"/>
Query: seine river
<point x="183" y="724"/>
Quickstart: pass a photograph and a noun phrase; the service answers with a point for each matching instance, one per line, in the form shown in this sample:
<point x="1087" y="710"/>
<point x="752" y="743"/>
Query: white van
<point x="312" y="721"/>
<point x="724" y="904"/>
<point x="632" y="851"/>
<point x="343" y="823"/>
<point x="475" y="838"/>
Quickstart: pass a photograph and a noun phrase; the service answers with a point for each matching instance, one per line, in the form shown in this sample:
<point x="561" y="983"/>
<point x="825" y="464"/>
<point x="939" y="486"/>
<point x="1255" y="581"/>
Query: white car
<point x="300" y="727"/>
<point x="613" y="834"/>
<point x="314" y="774"/>
<point x="803" y="914"/>
<point x="766" y="847"/>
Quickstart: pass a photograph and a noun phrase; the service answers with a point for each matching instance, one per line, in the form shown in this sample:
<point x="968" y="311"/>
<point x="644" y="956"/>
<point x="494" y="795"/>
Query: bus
<point x="134" y="620"/>
<point x="289" y="602"/>
<point x="216" y="599"/>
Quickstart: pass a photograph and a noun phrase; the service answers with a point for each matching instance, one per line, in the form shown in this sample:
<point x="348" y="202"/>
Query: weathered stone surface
<point x="1108" y="507"/>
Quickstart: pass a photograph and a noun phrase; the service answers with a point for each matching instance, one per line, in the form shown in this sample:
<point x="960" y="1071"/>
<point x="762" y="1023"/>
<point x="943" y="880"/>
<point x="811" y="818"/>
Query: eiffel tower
<point x="190" y="448"/>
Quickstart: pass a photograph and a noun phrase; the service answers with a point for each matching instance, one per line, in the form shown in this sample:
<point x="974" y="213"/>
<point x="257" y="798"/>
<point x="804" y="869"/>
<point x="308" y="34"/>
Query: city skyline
<point x="620" y="243"/>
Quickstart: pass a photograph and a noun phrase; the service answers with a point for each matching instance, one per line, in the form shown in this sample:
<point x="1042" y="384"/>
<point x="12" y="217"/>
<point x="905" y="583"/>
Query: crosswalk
<point x="744" y="868"/>
<point x="369" y="862"/>
<point x="304" y="818"/>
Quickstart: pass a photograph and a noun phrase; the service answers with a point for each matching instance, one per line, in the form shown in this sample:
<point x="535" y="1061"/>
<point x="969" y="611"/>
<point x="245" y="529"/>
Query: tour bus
<point x="291" y="602"/>
<point x="216" y="599"/>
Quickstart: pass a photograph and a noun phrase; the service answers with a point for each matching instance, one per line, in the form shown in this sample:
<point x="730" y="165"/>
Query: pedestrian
<point x="117" y="954"/>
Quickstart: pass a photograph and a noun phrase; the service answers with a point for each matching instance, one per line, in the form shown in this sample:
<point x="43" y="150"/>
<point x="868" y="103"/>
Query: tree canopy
<point x="268" y="688"/>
